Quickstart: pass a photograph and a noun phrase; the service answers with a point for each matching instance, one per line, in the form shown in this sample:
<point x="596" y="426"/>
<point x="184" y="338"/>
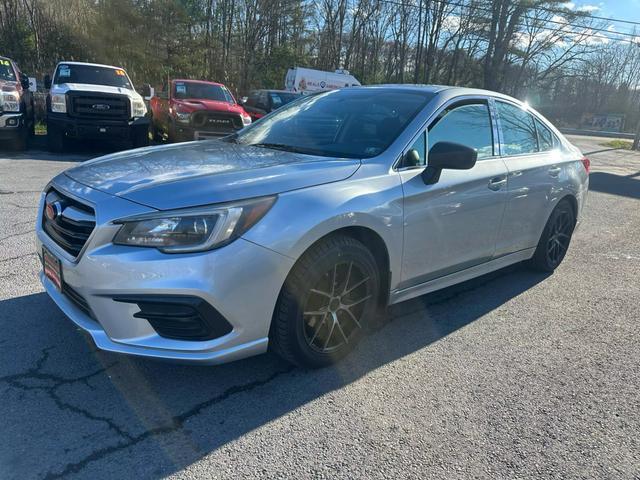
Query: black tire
<point x="555" y="239"/>
<point x="56" y="140"/>
<point x="19" y="143"/>
<point x="340" y="272"/>
<point x="140" y="138"/>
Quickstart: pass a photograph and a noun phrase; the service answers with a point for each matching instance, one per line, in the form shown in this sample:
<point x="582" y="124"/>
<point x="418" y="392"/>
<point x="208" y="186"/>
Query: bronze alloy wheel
<point x="334" y="308"/>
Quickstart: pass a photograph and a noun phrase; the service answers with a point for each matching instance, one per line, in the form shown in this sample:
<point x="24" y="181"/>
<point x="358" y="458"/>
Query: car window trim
<point x="461" y="99"/>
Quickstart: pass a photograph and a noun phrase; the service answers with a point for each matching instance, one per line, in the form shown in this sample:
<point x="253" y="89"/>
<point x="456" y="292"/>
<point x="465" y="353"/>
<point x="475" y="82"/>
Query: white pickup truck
<point x="96" y="102"/>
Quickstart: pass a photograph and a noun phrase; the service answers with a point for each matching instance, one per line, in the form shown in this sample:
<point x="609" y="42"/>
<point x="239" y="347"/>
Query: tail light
<point x="587" y="164"/>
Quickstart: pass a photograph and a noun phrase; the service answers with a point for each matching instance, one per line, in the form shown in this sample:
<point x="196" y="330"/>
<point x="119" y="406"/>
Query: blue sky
<point x="621" y="9"/>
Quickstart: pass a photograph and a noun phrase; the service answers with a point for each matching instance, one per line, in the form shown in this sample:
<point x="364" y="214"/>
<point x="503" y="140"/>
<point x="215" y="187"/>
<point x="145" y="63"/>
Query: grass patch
<point x="622" y="144"/>
<point x="41" y="128"/>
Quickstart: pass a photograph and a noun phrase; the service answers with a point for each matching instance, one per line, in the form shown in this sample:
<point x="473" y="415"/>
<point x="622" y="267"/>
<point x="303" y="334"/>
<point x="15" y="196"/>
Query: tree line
<point x="566" y="62"/>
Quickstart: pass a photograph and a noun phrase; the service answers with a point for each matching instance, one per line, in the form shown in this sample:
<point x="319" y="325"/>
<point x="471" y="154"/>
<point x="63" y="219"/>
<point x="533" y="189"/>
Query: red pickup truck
<point x="186" y="110"/>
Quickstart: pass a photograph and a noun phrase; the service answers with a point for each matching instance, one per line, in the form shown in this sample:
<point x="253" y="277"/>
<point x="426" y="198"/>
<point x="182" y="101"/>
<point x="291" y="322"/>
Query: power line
<point x="567" y="24"/>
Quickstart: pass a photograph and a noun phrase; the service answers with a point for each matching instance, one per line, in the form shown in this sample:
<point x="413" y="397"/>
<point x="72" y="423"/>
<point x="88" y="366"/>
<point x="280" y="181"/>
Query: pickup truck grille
<point x="100" y="106"/>
<point x="68" y="222"/>
<point x="214" y="121"/>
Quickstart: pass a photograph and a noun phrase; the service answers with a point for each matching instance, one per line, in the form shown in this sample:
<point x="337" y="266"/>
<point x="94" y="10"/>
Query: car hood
<point x="86" y="87"/>
<point x="206" y="172"/>
<point x="212" y="105"/>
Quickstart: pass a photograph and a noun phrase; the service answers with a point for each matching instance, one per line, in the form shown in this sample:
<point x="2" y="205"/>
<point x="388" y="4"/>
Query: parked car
<point x="16" y="106"/>
<point x="307" y="80"/>
<point x="94" y="102"/>
<point x="296" y="232"/>
<point x="261" y="102"/>
<point x="186" y="110"/>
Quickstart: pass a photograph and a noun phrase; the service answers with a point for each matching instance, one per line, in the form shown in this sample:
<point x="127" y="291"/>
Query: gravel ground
<point x="513" y="375"/>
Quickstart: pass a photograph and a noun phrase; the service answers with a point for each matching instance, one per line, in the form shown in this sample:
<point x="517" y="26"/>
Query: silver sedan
<point x="297" y="232"/>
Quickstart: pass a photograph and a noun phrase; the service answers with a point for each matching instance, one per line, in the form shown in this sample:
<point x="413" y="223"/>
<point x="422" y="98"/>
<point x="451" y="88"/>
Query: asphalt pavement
<point x="513" y="375"/>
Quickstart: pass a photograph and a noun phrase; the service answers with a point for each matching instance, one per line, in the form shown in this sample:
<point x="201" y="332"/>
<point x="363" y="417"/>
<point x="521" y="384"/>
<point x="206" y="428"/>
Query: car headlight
<point x="10" y="101"/>
<point x="246" y="119"/>
<point x="194" y="229"/>
<point x="138" y="108"/>
<point x="59" y="103"/>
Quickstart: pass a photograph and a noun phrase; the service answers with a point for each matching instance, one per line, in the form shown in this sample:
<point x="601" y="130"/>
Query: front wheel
<point x="56" y="140"/>
<point x="327" y="302"/>
<point x="555" y="239"/>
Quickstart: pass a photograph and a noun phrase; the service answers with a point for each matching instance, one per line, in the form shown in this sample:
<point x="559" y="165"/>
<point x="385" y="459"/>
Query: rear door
<point x="529" y="152"/>
<point x="453" y="224"/>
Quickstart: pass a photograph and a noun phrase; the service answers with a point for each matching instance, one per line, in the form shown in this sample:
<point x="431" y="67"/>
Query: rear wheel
<point x="327" y="302"/>
<point x="555" y="239"/>
<point x="56" y="140"/>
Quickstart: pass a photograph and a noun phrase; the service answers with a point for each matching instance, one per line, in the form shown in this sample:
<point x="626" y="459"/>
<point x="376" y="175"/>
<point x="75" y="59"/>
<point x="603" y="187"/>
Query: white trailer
<point x="307" y="80"/>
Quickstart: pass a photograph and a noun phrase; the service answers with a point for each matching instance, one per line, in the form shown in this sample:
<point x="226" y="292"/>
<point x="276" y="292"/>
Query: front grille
<point x="67" y="221"/>
<point x="99" y="106"/>
<point x="77" y="299"/>
<point x="214" y="121"/>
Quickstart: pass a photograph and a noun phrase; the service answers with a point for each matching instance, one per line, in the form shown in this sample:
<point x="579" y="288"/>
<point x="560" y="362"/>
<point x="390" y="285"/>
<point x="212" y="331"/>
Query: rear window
<point x="201" y="91"/>
<point x="92" y="75"/>
<point x="281" y="98"/>
<point x="6" y="71"/>
<point x="351" y="123"/>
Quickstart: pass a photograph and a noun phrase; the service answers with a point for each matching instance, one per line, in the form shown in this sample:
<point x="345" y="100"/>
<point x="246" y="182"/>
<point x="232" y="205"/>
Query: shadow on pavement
<point x="68" y="408"/>
<point x="626" y="186"/>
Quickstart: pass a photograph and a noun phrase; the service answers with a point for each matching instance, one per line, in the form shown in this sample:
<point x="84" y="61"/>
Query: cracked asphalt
<point x="513" y="375"/>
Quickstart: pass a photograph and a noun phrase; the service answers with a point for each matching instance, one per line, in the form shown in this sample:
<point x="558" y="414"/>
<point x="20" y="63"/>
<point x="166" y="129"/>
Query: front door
<point x="453" y="224"/>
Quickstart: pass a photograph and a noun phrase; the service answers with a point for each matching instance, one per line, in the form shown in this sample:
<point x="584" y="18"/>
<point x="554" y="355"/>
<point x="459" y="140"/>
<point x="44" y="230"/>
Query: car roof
<point x="450" y="91"/>
<point x="188" y="80"/>
<point x="274" y="90"/>
<point x="90" y="64"/>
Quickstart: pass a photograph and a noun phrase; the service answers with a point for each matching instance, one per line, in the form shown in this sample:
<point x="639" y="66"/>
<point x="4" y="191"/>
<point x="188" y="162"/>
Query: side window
<point x="468" y="125"/>
<point x="518" y="130"/>
<point x="263" y="101"/>
<point x="545" y="137"/>
<point x="420" y="147"/>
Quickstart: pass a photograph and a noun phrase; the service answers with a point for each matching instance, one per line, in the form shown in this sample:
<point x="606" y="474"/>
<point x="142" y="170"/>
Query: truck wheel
<point x="20" y="142"/>
<point x="55" y="139"/>
<point x="140" y="138"/>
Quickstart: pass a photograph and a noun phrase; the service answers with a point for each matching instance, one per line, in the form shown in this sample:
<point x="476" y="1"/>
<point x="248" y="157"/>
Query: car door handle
<point x="554" y="171"/>
<point x="496" y="183"/>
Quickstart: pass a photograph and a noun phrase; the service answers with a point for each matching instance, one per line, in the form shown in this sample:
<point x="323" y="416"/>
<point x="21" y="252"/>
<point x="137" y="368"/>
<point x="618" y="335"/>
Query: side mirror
<point x="243" y="100"/>
<point x="448" y="155"/>
<point x="47" y="81"/>
<point x="412" y="159"/>
<point x="24" y="81"/>
<point x="146" y="90"/>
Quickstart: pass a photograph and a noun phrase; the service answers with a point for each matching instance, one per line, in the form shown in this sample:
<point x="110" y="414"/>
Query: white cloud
<point x="589" y="8"/>
<point x="569" y="5"/>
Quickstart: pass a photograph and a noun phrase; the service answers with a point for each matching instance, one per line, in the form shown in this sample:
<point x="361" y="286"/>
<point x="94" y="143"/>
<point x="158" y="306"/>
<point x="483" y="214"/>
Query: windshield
<point x="6" y="70"/>
<point x="202" y="91"/>
<point x="352" y="122"/>
<point x="93" y="75"/>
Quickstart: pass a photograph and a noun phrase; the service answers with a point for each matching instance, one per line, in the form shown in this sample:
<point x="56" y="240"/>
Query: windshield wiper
<point x="281" y="146"/>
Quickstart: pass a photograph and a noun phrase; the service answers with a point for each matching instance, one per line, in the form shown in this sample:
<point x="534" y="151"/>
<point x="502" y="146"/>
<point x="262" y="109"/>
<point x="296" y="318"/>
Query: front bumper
<point x="10" y="125"/>
<point x="97" y="129"/>
<point x="241" y="281"/>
